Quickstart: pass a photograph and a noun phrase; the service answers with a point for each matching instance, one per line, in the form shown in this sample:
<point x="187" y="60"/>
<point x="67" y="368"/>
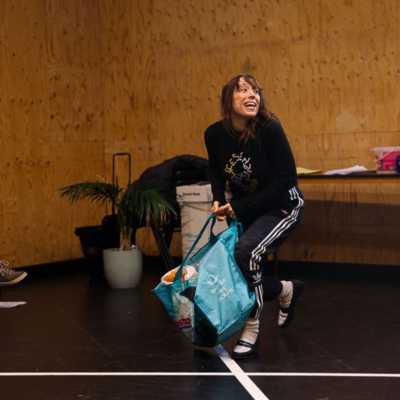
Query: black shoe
<point x="286" y="314"/>
<point x="244" y="354"/>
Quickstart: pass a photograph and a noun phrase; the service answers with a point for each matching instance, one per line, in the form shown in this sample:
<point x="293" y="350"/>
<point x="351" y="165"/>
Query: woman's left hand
<point x="225" y="211"/>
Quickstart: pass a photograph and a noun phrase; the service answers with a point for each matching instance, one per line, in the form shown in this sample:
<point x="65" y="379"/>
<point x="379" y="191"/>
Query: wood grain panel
<point x="51" y="125"/>
<point x="329" y="71"/>
<point x="81" y="80"/>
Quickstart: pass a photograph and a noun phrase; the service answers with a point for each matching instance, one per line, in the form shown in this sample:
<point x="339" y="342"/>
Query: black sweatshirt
<point x="256" y="174"/>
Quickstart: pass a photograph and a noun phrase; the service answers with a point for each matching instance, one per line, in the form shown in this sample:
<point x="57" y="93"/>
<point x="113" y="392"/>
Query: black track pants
<point x="265" y="232"/>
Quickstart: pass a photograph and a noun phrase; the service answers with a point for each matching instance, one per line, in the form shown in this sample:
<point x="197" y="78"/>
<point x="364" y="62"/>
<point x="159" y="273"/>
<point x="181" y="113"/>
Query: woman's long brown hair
<point x="263" y="116"/>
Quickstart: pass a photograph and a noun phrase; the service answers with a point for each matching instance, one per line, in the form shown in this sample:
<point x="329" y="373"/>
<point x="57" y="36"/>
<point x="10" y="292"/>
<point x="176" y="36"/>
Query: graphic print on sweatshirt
<point x="239" y="171"/>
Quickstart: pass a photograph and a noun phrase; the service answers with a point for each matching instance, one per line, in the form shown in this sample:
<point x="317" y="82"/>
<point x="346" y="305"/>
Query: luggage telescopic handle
<point x="114" y="178"/>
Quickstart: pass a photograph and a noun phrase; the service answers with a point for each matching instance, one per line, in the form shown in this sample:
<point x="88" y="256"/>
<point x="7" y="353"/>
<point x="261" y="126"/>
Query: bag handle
<point x="211" y="218"/>
<point x="238" y="225"/>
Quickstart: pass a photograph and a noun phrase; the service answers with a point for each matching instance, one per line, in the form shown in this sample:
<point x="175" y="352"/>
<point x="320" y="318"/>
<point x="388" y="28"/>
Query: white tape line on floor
<point x="213" y="374"/>
<point x="240" y="375"/>
<point x="100" y="374"/>
<point x="325" y="374"/>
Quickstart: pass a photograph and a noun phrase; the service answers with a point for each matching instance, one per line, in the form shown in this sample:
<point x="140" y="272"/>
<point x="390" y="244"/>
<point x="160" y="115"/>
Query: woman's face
<point x="246" y="100"/>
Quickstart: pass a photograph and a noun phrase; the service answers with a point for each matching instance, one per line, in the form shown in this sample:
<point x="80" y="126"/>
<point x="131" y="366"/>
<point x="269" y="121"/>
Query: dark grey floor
<point x="74" y="323"/>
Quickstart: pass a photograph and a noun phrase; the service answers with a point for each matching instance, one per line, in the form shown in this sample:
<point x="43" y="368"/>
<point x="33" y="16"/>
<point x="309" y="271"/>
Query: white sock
<point x="286" y="294"/>
<point x="249" y="334"/>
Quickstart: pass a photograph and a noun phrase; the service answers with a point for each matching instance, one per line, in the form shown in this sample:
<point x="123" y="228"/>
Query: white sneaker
<point x="8" y="276"/>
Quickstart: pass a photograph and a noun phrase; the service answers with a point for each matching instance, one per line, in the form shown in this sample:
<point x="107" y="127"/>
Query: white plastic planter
<point x="123" y="268"/>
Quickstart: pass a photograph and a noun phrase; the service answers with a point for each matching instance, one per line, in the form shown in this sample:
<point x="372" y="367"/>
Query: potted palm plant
<point x="135" y="205"/>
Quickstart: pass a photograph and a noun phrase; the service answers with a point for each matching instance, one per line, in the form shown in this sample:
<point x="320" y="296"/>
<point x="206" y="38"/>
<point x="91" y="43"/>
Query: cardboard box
<point x="199" y="193"/>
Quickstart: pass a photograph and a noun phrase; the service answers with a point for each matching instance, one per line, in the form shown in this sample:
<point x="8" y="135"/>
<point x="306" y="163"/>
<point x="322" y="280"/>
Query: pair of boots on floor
<point x="246" y="345"/>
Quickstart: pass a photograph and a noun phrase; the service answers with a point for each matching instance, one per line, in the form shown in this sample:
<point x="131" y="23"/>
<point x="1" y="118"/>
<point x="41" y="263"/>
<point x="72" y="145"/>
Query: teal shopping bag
<point x="176" y="288"/>
<point x="211" y="305"/>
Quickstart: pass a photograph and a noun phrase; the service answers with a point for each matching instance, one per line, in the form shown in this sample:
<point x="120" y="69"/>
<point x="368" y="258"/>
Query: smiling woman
<point x="245" y="104"/>
<point x="253" y="178"/>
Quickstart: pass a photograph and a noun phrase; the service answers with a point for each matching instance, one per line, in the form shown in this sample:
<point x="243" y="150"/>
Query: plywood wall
<point x="330" y="72"/>
<point x="82" y="79"/>
<point x="49" y="125"/>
